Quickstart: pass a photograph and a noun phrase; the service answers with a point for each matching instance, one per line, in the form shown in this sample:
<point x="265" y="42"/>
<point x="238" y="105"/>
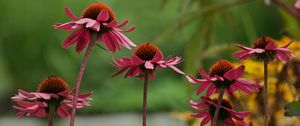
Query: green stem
<point x="51" y="114"/>
<point x="220" y="98"/>
<point x="266" y="93"/>
<point x="145" y="98"/>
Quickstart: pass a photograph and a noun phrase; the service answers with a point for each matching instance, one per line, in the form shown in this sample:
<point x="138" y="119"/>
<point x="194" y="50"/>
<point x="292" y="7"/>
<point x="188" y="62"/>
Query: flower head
<point x="227" y="116"/>
<point x="51" y="91"/>
<point x="266" y="49"/>
<point x="97" y="20"/>
<point x="224" y="75"/>
<point x="146" y="58"/>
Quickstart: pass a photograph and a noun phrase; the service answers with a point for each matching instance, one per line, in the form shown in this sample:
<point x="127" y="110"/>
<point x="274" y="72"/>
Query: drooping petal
<point x="70" y="14"/>
<point x="205" y="120"/>
<point x="202" y="88"/>
<point x="108" y="42"/>
<point x="63" y="112"/>
<point x="83" y="40"/>
<point x="72" y="38"/>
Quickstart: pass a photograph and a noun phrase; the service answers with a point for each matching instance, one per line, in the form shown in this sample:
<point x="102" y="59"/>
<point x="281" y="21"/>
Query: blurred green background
<point x="200" y="31"/>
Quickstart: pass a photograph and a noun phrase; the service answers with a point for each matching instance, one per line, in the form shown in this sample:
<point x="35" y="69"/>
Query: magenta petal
<point x="70" y="14"/>
<point x="125" y="39"/>
<point x="157" y="57"/>
<point x="122" y="24"/>
<point x="108" y="42"/>
<point x="120" y="71"/>
<point x="72" y="38"/>
<point x="271" y="46"/>
<point x="41" y="113"/>
<point x="203" y="73"/>
<point x="229" y="75"/>
<point x="210" y="90"/>
<point x="62" y="112"/>
<point x="287" y="45"/>
<point x="113" y="23"/>
<point x="103" y="15"/>
<point x="205" y="120"/>
<point x="239" y="71"/>
<point x="83" y="40"/>
<point x="202" y="88"/>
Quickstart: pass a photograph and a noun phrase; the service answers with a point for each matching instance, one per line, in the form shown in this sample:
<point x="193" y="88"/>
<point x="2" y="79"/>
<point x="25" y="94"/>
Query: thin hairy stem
<point x="51" y="114"/>
<point x="145" y="98"/>
<point x="266" y="93"/>
<point x="220" y="98"/>
<point x="79" y="77"/>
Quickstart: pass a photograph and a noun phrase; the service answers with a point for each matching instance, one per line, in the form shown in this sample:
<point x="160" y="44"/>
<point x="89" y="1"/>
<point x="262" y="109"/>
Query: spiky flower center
<point x="94" y="9"/>
<point x="220" y="68"/>
<point x="53" y="84"/>
<point x="223" y="113"/>
<point x="146" y="51"/>
<point x="261" y="43"/>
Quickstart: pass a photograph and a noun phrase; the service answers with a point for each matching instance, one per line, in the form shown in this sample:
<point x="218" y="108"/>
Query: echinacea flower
<point x="146" y="58"/>
<point x="52" y="91"/>
<point x="97" y="20"/>
<point x="297" y="4"/>
<point x="224" y="75"/>
<point x="227" y="116"/>
<point x="264" y="48"/>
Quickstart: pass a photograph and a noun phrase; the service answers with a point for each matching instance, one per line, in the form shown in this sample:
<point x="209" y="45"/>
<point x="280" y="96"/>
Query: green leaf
<point x="292" y="109"/>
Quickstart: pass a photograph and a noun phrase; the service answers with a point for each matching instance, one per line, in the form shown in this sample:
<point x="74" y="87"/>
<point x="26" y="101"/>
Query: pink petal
<point x="177" y="70"/>
<point x="62" y="112"/>
<point x="108" y="42"/>
<point x="271" y="46"/>
<point x="202" y="88"/>
<point x="113" y="23"/>
<point x="72" y="38"/>
<point x="70" y="14"/>
<point x="229" y="74"/>
<point x="210" y="90"/>
<point x="243" y="47"/>
<point x="103" y="15"/>
<point x="66" y="26"/>
<point x="122" y="24"/>
<point x="128" y="30"/>
<point x="121" y="35"/>
<point x="41" y="113"/>
<point x="149" y="65"/>
<point x="205" y="120"/>
<point x="157" y="57"/>
<point x="83" y="41"/>
<point x="120" y="71"/>
<point x="239" y="71"/>
<point x="287" y="45"/>
<point x="297" y="4"/>
<point x="203" y="73"/>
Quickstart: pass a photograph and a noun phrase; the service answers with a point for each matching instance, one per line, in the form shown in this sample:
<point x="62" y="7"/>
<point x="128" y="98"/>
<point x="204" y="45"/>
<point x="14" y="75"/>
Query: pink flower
<point x="147" y="57"/>
<point x="97" y="20"/>
<point x="227" y="116"/>
<point x="52" y="90"/>
<point x="223" y="74"/>
<point x="264" y="49"/>
<point x="297" y="4"/>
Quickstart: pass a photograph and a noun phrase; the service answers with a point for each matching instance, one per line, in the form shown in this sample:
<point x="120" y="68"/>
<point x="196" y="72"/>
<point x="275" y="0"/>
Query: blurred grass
<point x="201" y="31"/>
